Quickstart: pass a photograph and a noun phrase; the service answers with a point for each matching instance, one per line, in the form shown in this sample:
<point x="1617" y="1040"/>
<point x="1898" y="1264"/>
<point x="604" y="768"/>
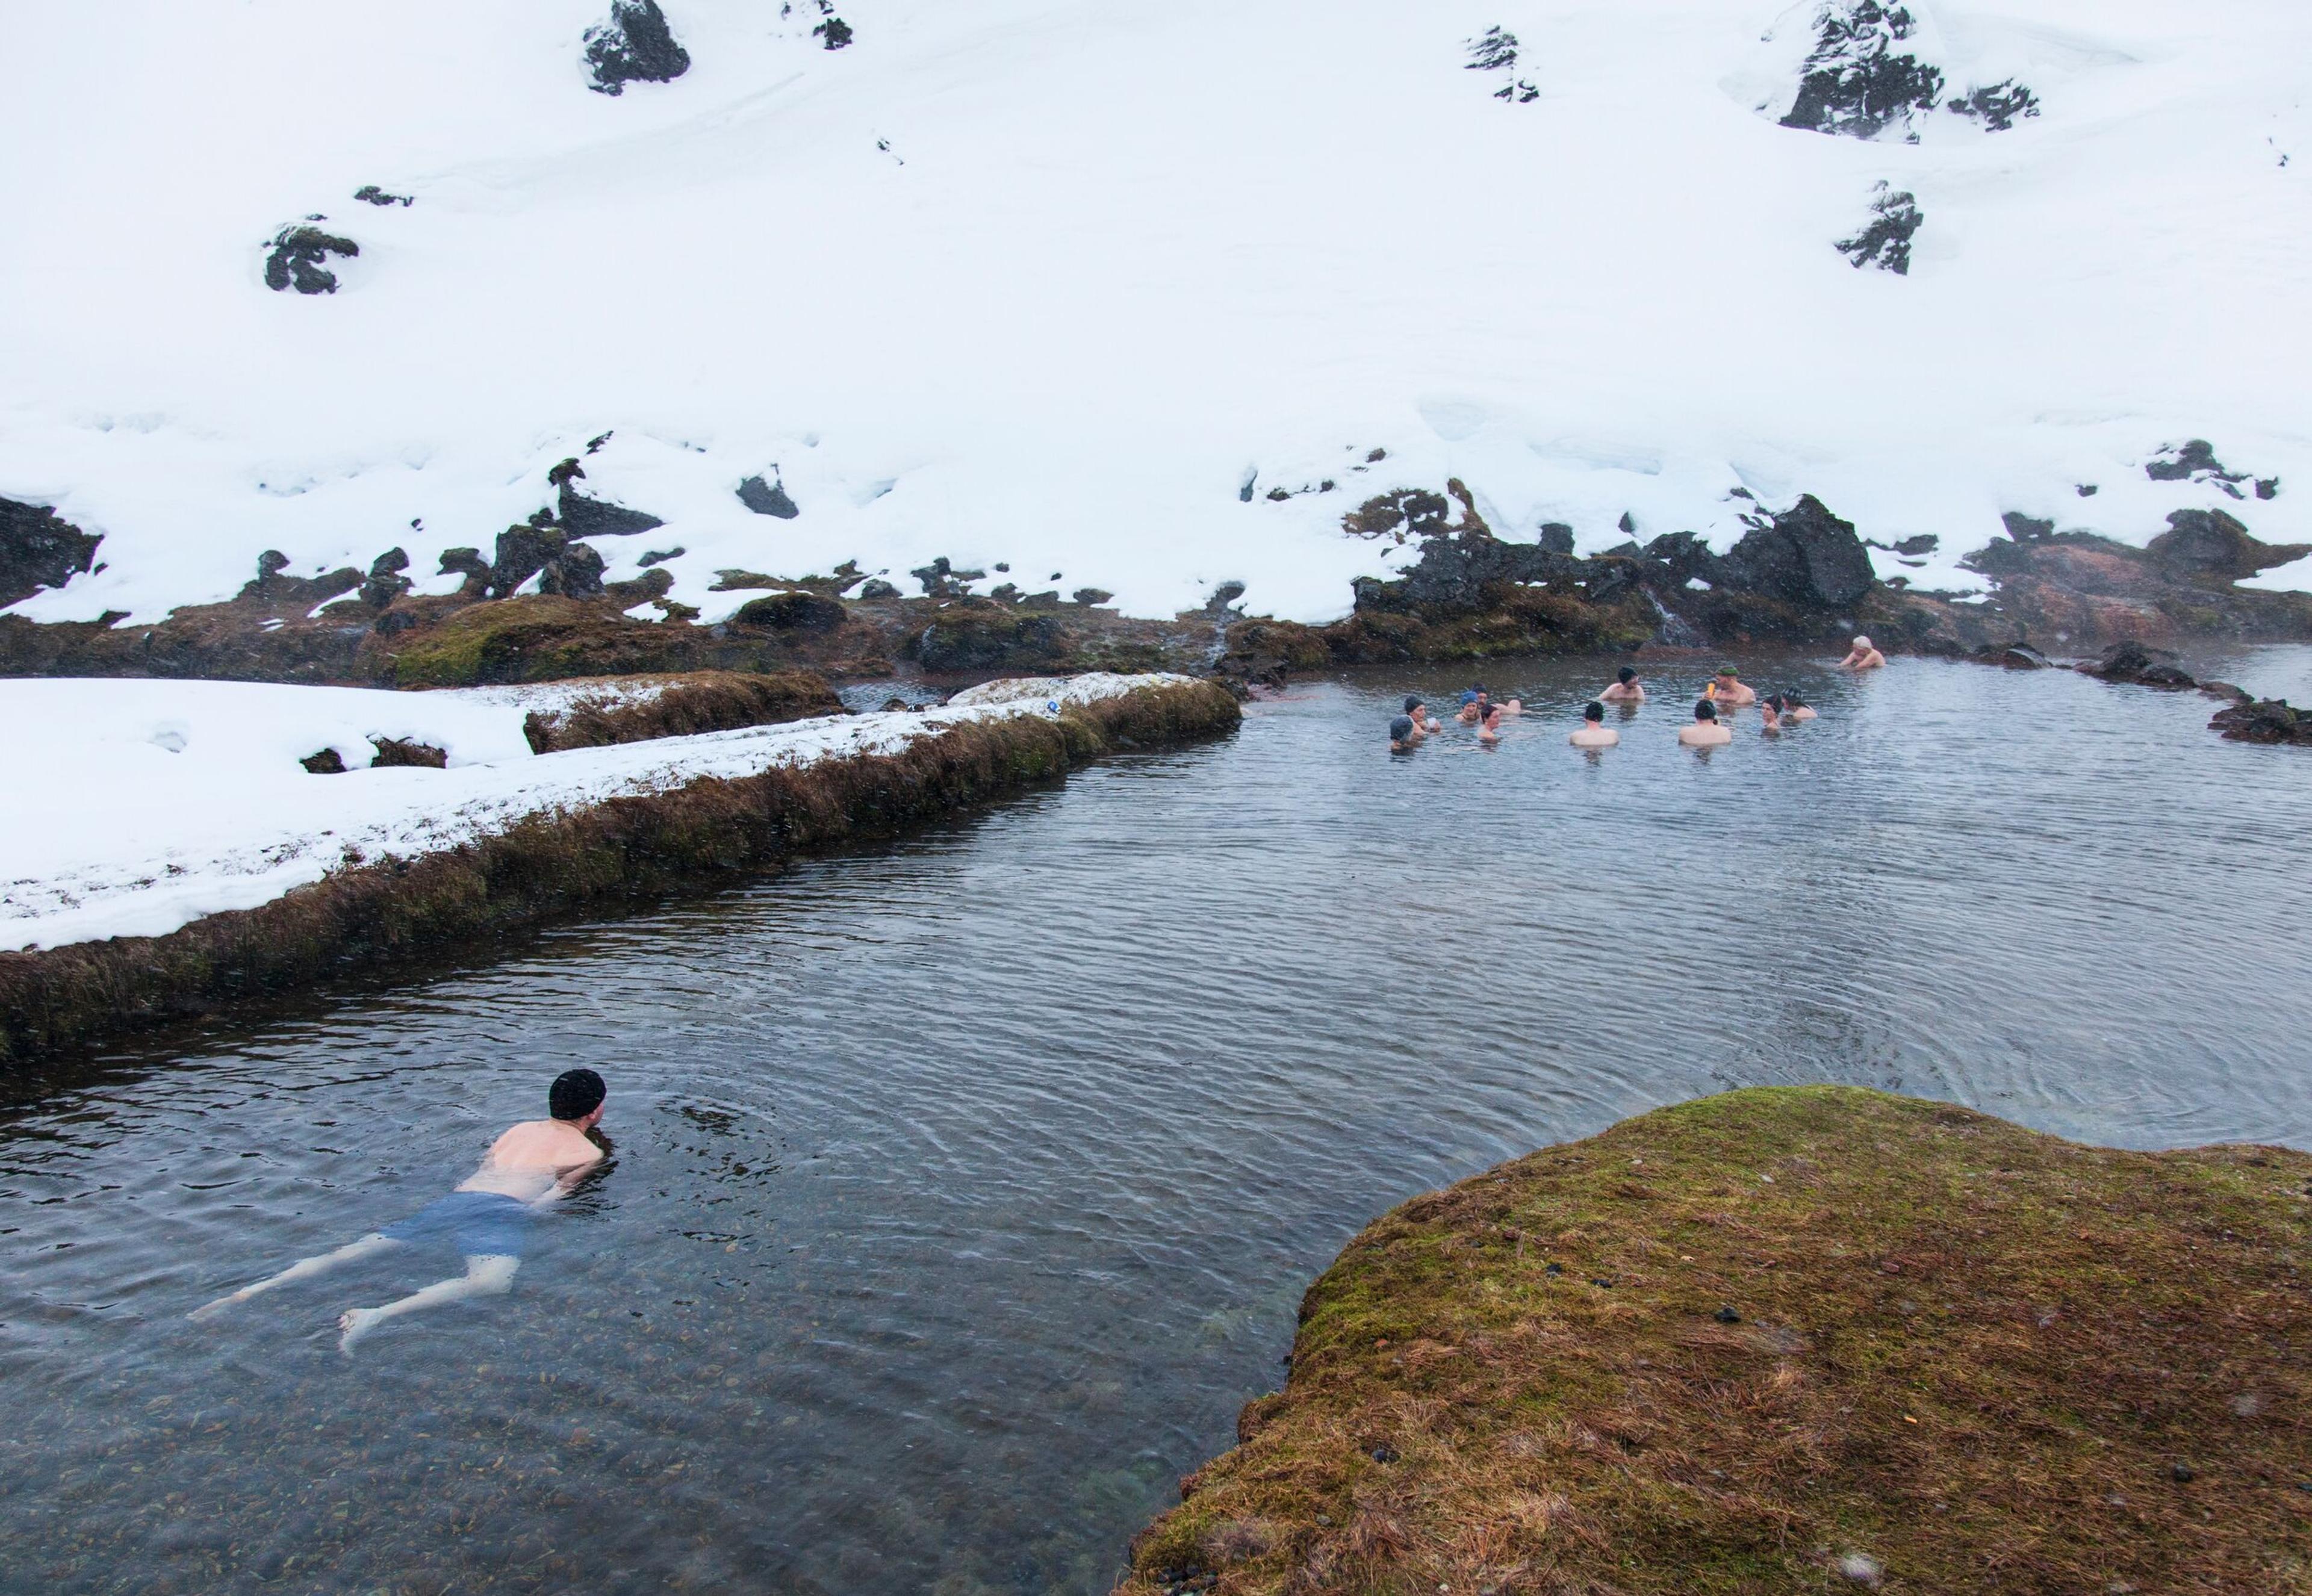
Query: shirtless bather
<point x="1625" y="688"/>
<point x="1593" y="733"/>
<point x="1705" y="732"/>
<point x="1418" y="712"/>
<point x="1729" y="690"/>
<point x="525" y="1172"/>
<point x="1862" y="657"/>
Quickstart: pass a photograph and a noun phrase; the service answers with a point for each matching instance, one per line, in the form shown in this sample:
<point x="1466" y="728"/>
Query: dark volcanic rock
<point x="1855" y="81"/>
<point x="2138" y="662"/>
<point x="421" y="756"/>
<point x="371" y="194"/>
<point x="1998" y="107"/>
<point x="523" y="550"/>
<point x="575" y="573"/>
<point x="790" y="612"/>
<point x="767" y="498"/>
<point x="636" y="46"/>
<point x="1886" y="241"/>
<point x="987" y="637"/>
<point x="2269" y="721"/>
<point x="37" y="550"/>
<point x="386" y="584"/>
<point x="468" y="563"/>
<point x="1807" y="556"/>
<point x="2211" y="543"/>
<point x="584" y="517"/>
<point x="296" y="255"/>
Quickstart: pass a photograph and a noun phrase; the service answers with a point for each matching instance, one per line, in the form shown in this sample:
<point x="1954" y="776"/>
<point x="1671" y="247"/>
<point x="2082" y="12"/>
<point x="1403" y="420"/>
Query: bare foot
<point x="355" y="1323"/>
<point x="211" y="1310"/>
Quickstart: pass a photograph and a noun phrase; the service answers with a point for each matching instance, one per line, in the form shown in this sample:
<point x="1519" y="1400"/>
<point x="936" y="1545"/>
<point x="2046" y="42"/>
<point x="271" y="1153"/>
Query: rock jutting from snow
<point x="585" y="517"/>
<point x="1855" y="82"/>
<point x="574" y="573"/>
<point x="38" y="549"/>
<point x="1886" y="241"/>
<point x="2195" y="461"/>
<point x="1496" y="50"/>
<point x="767" y="498"/>
<point x="1805" y="555"/>
<point x="1998" y="107"/>
<point x="371" y="194"/>
<point x="2212" y="544"/>
<point x="386" y="584"/>
<point x="636" y="46"/>
<point x="296" y="254"/>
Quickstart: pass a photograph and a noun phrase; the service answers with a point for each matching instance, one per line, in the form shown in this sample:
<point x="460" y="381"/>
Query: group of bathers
<point x="1725" y="690"/>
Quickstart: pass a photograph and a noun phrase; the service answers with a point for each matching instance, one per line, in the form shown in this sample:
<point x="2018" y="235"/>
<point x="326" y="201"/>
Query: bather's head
<point x="1400" y="732"/>
<point x="1412" y="704"/>
<point x="1593" y="712"/>
<point x="1705" y="710"/>
<point x="1626" y="675"/>
<point x="576" y="1098"/>
<point x="1861" y="645"/>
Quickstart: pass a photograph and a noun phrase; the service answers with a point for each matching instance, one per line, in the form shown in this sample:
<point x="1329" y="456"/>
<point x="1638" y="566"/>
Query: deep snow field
<point x="1073" y="284"/>
<point x="144" y="805"/>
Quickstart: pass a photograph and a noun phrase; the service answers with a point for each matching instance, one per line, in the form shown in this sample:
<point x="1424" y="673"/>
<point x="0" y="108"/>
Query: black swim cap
<point x="575" y="1093"/>
<point x="1626" y="675"/>
<point x="1593" y="711"/>
<point x="1400" y="728"/>
<point x="1411" y="702"/>
<point x="1705" y="710"/>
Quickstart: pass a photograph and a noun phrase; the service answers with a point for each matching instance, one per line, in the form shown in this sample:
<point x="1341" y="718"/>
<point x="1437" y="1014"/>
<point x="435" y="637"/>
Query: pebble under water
<point x="964" y="1189"/>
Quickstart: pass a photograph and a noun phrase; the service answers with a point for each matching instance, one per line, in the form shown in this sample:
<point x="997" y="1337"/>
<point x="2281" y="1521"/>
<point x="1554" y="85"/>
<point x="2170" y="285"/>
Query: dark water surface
<point x="963" y="1191"/>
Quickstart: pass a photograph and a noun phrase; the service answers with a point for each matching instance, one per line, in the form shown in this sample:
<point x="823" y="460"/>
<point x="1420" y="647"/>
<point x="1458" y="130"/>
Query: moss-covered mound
<point x="680" y="706"/>
<point x="1806" y="1339"/>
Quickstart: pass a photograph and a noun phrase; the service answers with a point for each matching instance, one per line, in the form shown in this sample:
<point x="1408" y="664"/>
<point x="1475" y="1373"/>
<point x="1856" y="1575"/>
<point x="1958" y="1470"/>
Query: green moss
<point x="1972" y="1352"/>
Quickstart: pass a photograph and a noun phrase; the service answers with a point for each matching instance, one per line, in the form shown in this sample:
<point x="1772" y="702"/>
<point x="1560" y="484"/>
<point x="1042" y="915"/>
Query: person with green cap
<point x="1728" y="690"/>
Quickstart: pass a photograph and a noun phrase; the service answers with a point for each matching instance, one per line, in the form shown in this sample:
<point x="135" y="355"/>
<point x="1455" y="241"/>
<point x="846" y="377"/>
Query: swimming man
<point x="1403" y="736"/>
<point x="1625" y="690"/>
<point x="1593" y="733"/>
<point x="1705" y="732"/>
<point x="1418" y="713"/>
<point x="525" y="1172"/>
<point x="1862" y="657"/>
<point x="1489" y="727"/>
<point x="1729" y="690"/>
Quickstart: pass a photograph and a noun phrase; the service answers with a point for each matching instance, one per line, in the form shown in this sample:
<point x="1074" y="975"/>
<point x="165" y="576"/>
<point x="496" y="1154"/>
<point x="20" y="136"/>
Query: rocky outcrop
<point x="2142" y="665"/>
<point x="972" y="636"/>
<point x="1998" y="107"/>
<point x="636" y="46"/>
<point x="2269" y="720"/>
<point x="38" y="549"/>
<point x="2202" y="545"/>
<point x="1886" y="241"/>
<point x="584" y="517"/>
<point x="1496" y="50"/>
<point x="767" y="498"/>
<point x="1859" y="80"/>
<point x="295" y="257"/>
<point x="797" y="612"/>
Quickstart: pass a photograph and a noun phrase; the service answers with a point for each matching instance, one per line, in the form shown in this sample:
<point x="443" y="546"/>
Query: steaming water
<point x="963" y="1191"/>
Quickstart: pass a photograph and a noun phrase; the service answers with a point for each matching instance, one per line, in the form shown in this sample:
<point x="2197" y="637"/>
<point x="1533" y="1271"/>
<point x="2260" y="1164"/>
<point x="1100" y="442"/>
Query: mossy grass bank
<point x="639" y="708"/>
<point x="396" y="909"/>
<point x="1791" y="1340"/>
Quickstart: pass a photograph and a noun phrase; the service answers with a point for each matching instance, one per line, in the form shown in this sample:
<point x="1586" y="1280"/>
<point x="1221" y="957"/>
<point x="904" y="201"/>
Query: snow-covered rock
<point x="1076" y="284"/>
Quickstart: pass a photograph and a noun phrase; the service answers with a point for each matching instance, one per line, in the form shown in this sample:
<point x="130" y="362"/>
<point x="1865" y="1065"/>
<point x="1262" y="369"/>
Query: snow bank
<point x="1074" y="284"/>
<point x="140" y="806"/>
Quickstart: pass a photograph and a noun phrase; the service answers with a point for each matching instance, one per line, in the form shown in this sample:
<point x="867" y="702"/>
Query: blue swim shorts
<point x="483" y="1222"/>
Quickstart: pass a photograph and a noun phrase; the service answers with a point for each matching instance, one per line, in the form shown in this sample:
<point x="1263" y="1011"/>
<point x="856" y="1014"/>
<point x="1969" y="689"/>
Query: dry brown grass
<point x="397" y="909"/>
<point x="1968" y="1358"/>
<point x="683" y="705"/>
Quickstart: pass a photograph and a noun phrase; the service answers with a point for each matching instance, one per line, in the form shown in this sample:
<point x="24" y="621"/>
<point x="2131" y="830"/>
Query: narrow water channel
<point x="964" y="1189"/>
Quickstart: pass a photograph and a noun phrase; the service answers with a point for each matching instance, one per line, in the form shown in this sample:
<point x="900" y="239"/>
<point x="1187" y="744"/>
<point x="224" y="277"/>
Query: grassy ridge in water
<point x="1791" y="1340"/>
<point x="375" y="913"/>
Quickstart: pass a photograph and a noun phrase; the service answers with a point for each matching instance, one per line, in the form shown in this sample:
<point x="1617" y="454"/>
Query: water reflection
<point x="965" y="1189"/>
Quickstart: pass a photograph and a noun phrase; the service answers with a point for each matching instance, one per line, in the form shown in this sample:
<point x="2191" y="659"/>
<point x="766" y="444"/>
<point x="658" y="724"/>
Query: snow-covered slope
<point x="1052" y="283"/>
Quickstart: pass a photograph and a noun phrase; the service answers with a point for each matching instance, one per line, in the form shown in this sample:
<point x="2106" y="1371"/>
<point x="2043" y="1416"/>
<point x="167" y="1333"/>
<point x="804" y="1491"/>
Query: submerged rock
<point x="636" y="46"/>
<point x="2141" y="664"/>
<point x="2269" y="720"/>
<point x="40" y="549"/>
